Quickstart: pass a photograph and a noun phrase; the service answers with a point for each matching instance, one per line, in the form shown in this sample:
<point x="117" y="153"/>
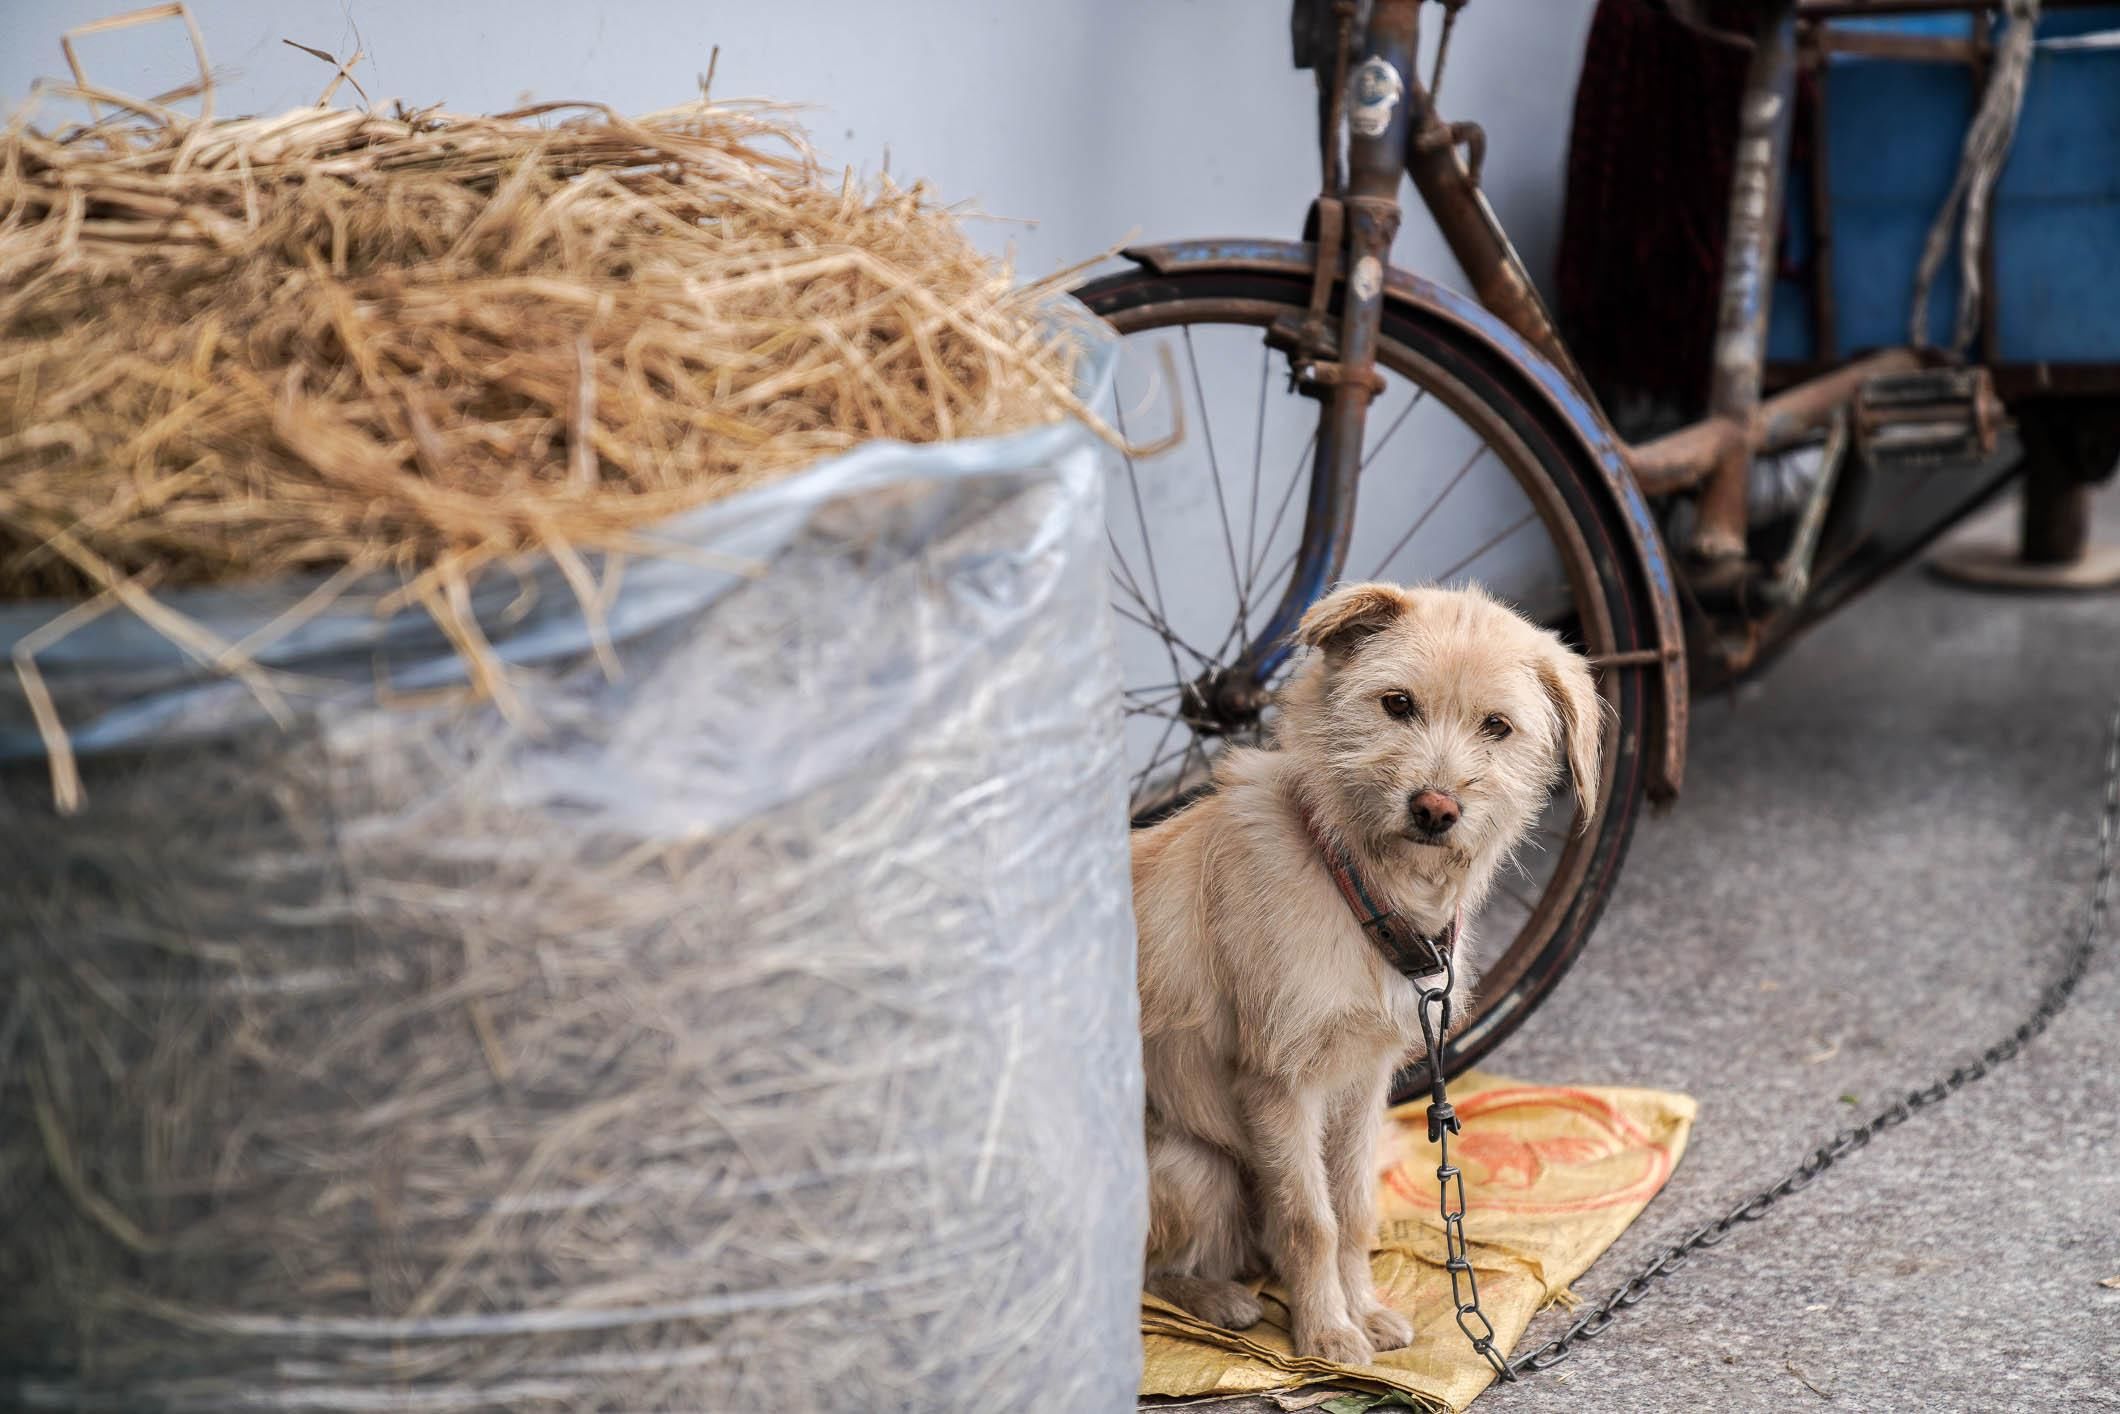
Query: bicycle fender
<point x="1569" y="405"/>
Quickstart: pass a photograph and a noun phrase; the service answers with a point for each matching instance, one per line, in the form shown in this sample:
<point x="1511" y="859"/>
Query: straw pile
<point x="229" y="350"/>
<point x="641" y="1053"/>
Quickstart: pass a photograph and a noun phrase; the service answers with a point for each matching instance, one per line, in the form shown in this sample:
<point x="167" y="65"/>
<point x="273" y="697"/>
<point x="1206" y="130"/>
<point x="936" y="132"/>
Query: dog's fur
<point x="1270" y="1024"/>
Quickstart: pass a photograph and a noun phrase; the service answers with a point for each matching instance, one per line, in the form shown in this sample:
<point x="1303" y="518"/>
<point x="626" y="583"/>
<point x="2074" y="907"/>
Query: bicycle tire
<point x="1564" y="487"/>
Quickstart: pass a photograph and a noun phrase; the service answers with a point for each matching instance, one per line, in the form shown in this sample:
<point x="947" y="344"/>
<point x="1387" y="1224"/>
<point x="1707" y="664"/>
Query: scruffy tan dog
<point x="1416" y="746"/>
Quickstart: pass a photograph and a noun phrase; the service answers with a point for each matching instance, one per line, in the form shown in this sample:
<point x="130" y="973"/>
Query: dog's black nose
<point x="1434" y="811"/>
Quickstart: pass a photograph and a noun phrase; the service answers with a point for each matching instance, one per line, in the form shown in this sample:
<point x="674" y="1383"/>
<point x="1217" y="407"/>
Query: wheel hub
<point x="1220" y="702"/>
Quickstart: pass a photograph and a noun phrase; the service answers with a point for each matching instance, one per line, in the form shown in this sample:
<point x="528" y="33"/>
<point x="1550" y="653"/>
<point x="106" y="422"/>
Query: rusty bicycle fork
<point x="1393" y="130"/>
<point x="1356" y="219"/>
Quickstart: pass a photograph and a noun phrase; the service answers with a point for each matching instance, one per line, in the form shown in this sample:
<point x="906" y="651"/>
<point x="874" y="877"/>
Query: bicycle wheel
<point x="1462" y="479"/>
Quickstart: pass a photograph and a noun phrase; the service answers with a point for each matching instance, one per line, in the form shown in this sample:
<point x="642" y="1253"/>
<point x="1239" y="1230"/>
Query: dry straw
<point x="424" y="342"/>
<point x="410" y="1061"/>
<point x="385" y="1063"/>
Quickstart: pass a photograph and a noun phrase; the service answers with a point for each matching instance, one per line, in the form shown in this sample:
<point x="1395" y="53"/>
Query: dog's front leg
<point x="1287" y="1132"/>
<point x="1351" y="1132"/>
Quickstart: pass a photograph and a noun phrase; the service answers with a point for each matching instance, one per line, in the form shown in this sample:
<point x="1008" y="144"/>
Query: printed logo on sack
<point x="1540" y="1150"/>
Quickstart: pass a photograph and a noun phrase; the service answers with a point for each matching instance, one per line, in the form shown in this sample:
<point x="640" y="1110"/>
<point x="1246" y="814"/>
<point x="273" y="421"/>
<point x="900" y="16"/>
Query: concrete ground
<point x="1881" y="852"/>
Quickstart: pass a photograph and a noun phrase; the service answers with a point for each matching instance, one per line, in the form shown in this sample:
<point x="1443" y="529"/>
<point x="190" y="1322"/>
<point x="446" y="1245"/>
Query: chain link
<point x="1450" y="1183"/>
<point x="1443" y="1122"/>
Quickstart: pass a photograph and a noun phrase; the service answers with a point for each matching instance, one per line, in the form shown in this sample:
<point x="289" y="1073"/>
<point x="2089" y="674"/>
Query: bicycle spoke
<point x="1433" y="506"/>
<point x="1242" y="627"/>
<point x="1162" y="704"/>
<point x="1295" y="478"/>
<point x="1159" y="758"/>
<point x="1288" y="562"/>
<point x="1133" y="482"/>
<point x="1122" y="571"/>
<point x="1141" y="776"/>
<point x="1123" y="575"/>
<point x="1511" y="890"/>
<point x="1258" y="456"/>
<point x="1167" y="635"/>
<point x="1214" y="470"/>
<point x="1493" y="540"/>
<point x="1191" y="748"/>
<point x="1168" y="638"/>
<point x="1152" y="621"/>
<point x="1537" y="841"/>
<point x="1396" y="423"/>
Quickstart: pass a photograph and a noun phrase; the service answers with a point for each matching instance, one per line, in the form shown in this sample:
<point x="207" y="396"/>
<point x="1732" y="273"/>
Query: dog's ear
<point x="1342" y="619"/>
<point x="1566" y="676"/>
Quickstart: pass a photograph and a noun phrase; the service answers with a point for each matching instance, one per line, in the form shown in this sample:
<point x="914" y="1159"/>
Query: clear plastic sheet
<point x="753" y="1030"/>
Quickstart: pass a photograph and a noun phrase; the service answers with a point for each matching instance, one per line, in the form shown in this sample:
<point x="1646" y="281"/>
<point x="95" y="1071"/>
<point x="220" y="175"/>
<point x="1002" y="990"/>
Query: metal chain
<point x="1443" y="1122"/>
<point x="1450" y="1183"/>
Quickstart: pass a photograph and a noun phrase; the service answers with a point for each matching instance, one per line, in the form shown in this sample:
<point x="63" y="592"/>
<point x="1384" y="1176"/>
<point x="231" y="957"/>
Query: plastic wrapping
<point x="754" y="1029"/>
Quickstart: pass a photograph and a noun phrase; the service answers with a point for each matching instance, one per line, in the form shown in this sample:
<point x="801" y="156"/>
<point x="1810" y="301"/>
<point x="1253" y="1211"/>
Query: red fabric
<point x="1648" y="188"/>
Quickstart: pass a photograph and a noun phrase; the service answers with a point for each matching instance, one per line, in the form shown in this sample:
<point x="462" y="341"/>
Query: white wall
<point x="1095" y="118"/>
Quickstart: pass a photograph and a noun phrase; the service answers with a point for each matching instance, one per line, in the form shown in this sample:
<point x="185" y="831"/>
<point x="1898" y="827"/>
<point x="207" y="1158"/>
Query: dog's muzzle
<point x="1432" y="813"/>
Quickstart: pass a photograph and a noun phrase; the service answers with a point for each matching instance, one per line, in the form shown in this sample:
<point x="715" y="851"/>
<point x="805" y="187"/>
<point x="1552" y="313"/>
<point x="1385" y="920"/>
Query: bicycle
<point x="1390" y="359"/>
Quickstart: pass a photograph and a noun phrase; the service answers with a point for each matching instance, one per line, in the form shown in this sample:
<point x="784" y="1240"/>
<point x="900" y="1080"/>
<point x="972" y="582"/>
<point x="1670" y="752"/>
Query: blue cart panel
<point x="1893" y="133"/>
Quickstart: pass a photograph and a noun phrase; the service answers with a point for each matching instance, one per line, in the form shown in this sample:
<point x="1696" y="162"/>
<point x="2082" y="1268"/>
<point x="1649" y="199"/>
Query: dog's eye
<point x="1497" y="727"/>
<point x="1399" y="705"/>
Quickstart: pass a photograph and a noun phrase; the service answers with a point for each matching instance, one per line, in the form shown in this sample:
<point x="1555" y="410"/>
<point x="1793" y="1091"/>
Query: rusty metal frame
<point x="1907" y="48"/>
<point x="1754" y="228"/>
<point x="1474" y="233"/>
<point x="1679" y="461"/>
<point x="1340" y="372"/>
<point x="2013" y="381"/>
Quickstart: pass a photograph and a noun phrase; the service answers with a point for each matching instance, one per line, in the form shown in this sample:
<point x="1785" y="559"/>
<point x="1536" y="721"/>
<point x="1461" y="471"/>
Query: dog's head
<point x="1439" y="720"/>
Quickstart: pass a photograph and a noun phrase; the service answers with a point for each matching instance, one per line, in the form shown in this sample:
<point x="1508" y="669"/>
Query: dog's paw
<point x="1226" y="1304"/>
<point x="1387" y="1329"/>
<point x="1342" y="1344"/>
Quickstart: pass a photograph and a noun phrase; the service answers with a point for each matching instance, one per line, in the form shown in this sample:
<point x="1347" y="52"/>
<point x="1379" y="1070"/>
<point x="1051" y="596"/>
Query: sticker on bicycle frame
<point x="1368" y="276"/>
<point x="1373" y="91"/>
